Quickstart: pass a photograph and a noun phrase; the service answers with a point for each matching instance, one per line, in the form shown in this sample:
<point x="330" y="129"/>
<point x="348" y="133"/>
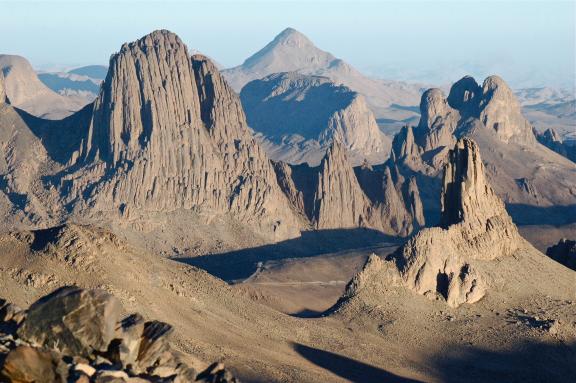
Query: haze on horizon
<point x="529" y="43"/>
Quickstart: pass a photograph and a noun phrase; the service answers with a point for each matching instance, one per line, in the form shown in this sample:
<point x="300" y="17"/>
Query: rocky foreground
<point x="78" y="335"/>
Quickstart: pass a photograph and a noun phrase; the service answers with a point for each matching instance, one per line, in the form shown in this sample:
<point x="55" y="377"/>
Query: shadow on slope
<point x="523" y="214"/>
<point x="526" y="362"/>
<point x="348" y="368"/>
<point x="240" y="264"/>
<point x="60" y="138"/>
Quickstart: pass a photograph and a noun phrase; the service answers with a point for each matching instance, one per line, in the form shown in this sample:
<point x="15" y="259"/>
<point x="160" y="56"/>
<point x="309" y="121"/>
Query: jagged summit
<point x="466" y="195"/>
<point x="290" y="51"/>
<point x="149" y="87"/>
<point x="167" y="133"/>
<point x="475" y="226"/>
<point x="464" y="94"/>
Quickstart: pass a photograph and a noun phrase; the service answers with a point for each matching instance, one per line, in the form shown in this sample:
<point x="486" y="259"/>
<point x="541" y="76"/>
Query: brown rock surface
<point x="335" y="195"/>
<point x="167" y="133"/>
<point x="64" y="339"/>
<point x="339" y="201"/>
<point x="519" y="169"/>
<point x="297" y="117"/>
<point x="26" y="364"/>
<point x="475" y="226"/>
<point x="73" y="321"/>
<point x="2" y="90"/>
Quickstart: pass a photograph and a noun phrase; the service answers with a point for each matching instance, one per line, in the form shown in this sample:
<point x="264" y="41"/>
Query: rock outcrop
<point x="564" y="252"/>
<point x="440" y="261"/>
<point x="491" y="115"/>
<point x="335" y="195"/>
<point x="339" y="201"/>
<point x="297" y="116"/>
<point x="167" y="133"/>
<point x="552" y="140"/>
<point x="500" y="110"/>
<point x="77" y="335"/>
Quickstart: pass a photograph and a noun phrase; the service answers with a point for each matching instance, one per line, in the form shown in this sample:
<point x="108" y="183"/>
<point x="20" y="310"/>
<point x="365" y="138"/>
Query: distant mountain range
<point x="82" y="83"/>
<point x="291" y="51"/>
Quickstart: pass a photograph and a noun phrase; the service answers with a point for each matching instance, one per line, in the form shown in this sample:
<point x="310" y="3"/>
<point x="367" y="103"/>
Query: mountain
<point x="448" y="284"/>
<point x="96" y="72"/>
<point x="167" y="134"/>
<point x="335" y="195"/>
<point x="297" y="116"/>
<point x="514" y="160"/>
<point x="28" y="93"/>
<point x="81" y="83"/>
<point x="552" y="140"/>
<point x="474" y="225"/>
<point x="291" y="51"/>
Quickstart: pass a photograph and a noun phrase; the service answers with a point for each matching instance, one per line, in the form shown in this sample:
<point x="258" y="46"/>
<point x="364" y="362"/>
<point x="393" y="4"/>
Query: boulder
<point x="26" y="364"/>
<point x="73" y="321"/>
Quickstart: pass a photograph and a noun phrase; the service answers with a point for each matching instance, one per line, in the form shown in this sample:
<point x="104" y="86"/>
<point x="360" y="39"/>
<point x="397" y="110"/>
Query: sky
<point x="528" y="43"/>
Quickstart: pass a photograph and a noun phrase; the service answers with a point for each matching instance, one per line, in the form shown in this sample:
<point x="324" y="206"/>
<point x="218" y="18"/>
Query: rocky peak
<point x="433" y="105"/>
<point x="220" y="108"/>
<point x="441" y="261"/>
<point x="339" y="200"/>
<point x="168" y="133"/>
<point x="564" y="252"/>
<point x="500" y="111"/>
<point x="551" y="135"/>
<point x="466" y="194"/>
<point x="279" y="108"/>
<point x="465" y="95"/>
<point x="149" y="95"/>
<point x="292" y="38"/>
<point x="438" y="120"/>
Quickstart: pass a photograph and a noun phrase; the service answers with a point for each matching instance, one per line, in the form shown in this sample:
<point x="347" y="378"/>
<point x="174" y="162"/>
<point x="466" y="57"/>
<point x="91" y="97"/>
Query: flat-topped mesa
<point x="440" y="261"/>
<point x="168" y="133"/>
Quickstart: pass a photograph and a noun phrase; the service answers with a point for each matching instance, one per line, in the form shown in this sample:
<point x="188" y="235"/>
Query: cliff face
<point x="335" y="195"/>
<point x="167" y="133"/>
<point x="339" y="201"/>
<point x="2" y="90"/>
<point x="491" y="115"/>
<point x="298" y="116"/>
<point x="440" y="261"/>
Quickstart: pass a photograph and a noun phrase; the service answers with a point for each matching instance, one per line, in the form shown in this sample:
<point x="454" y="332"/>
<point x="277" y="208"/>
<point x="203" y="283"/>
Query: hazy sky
<point x="408" y="39"/>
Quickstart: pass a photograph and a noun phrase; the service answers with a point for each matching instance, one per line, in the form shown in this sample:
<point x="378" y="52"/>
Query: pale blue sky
<point x="533" y="41"/>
